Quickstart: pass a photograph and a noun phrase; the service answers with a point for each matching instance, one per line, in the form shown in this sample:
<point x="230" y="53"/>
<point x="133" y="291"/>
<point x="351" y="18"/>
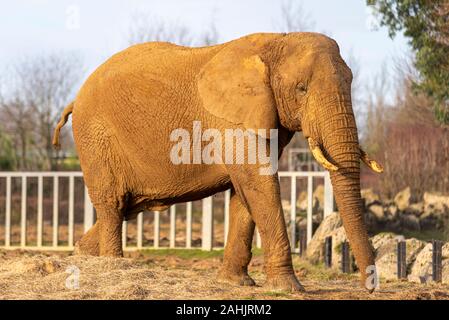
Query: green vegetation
<point x="7" y="154"/>
<point x="184" y="253"/>
<point x="427" y="235"/>
<point x="191" y="253"/>
<point x="426" y="24"/>
<point x="319" y="271"/>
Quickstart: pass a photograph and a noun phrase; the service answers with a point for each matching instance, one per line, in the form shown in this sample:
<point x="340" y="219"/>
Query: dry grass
<point x="175" y="274"/>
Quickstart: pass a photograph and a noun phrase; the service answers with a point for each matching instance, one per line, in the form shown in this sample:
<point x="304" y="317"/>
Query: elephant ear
<point x="234" y="85"/>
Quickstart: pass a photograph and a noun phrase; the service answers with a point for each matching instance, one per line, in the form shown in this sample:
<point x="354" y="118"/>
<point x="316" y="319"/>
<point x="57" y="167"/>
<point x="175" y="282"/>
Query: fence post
<point x="173" y="226"/>
<point x="8" y="212"/>
<point x="208" y="224"/>
<point x="328" y="196"/>
<point x="189" y="208"/>
<point x="302" y="243"/>
<point x="345" y="258"/>
<point x="402" y="264"/>
<point x="293" y="214"/>
<point x="309" y="207"/>
<point x="328" y="252"/>
<point x="88" y="211"/>
<point x="23" y="213"/>
<point x="227" y="203"/>
<point x="157" y="225"/>
<point x="437" y="260"/>
<point x="40" y="211"/>
<point x="140" y="230"/>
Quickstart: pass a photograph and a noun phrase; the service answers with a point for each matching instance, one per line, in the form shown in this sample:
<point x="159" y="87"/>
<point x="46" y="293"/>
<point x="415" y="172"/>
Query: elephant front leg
<point x="89" y="243"/>
<point x="237" y="253"/>
<point x="110" y="232"/>
<point x="261" y="195"/>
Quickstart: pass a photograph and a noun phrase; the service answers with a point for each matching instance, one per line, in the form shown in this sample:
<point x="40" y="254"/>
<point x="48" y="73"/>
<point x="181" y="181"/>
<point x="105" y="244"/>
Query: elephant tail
<point x="64" y="117"/>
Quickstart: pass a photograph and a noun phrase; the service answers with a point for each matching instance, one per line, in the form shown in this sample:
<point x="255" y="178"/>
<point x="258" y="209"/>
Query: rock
<point x="386" y="255"/>
<point x="392" y="211"/>
<point x="382" y="238"/>
<point x="421" y="270"/>
<point x="314" y="250"/>
<point x="402" y="199"/>
<point x="369" y="196"/>
<point x="436" y="201"/>
<point x="377" y="210"/>
<point x="338" y="237"/>
<point x="416" y="208"/>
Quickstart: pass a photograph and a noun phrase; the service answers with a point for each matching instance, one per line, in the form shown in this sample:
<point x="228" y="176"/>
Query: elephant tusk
<point x="319" y="156"/>
<point x="372" y="164"/>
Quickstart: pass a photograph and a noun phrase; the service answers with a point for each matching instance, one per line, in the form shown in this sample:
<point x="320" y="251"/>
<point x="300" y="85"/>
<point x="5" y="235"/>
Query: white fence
<point x="207" y="232"/>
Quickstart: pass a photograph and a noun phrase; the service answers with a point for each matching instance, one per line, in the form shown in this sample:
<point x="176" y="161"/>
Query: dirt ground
<point x="175" y="274"/>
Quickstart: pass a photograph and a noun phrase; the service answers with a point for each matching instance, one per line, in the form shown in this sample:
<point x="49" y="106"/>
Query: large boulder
<point x="436" y="201"/>
<point x="377" y="210"/>
<point x="402" y="199"/>
<point x="314" y="250"/>
<point x="386" y="255"/>
<point x="382" y="238"/>
<point x="421" y="270"/>
<point x="369" y="197"/>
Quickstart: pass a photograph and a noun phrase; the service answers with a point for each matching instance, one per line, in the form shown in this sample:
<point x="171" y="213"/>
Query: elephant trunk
<point x="339" y="142"/>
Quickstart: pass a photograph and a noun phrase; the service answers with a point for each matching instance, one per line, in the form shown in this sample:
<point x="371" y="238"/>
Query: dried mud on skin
<point x="28" y="275"/>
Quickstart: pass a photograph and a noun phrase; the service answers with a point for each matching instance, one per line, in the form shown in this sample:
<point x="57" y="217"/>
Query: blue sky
<point x="30" y="27"/>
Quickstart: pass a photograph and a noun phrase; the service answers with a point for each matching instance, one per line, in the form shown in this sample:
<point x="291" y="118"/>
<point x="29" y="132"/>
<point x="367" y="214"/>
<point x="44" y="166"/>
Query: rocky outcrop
<point x="402" y="199"/>
<point x="401" y="215"/>
<point x="421" y="271"/>
<point x="327" y="227"/>
<point x="386" y="254"/>
<point x="418" y="253"/>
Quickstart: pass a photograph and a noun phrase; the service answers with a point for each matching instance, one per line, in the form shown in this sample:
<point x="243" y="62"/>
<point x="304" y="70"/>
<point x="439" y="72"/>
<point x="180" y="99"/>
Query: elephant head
<point x="300" y="82"/>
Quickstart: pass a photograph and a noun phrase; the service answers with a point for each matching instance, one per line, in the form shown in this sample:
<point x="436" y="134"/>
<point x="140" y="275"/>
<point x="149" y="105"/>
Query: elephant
<point x="125" y="112"/>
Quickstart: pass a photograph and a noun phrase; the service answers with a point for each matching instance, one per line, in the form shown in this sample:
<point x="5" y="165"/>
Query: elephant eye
<point x="301" y="88"/>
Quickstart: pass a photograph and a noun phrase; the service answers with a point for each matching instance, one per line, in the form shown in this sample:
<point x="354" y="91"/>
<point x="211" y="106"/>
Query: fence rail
<point x="88" y="215"/>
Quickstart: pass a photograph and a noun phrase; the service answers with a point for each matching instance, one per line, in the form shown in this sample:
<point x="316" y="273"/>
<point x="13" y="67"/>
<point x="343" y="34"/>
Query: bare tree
<point x="294" y="18"/>
<point x="145" y="27"/>
<point x="39" y="89"/>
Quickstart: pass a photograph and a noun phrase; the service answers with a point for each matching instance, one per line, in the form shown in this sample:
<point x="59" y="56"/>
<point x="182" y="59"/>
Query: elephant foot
<point x="86" y="249"/>
<point x="240" y="279"/>
<point x="88" y="245"/>
<point x="287" y="282"/>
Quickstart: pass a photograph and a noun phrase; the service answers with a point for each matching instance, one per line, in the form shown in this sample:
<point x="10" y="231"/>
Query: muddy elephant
<point x="127" y="110"/>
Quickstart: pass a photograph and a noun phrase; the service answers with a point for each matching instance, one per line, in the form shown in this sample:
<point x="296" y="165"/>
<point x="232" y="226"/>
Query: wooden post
<point x="8" y="212"/>
<point x="437" y="267"/>
<point x="172" y="226"/>
<point x="345" y="258"/>
<point x="309" y="208"/>
<point x="208" y="224"/>
<point x="302" y="243"/>
<point x="402" y="262"/>
<point x="328" y="252"/>
<point x="293" y="213"/>
<point x="157" y="229"/>
<point x="328" y="196"/>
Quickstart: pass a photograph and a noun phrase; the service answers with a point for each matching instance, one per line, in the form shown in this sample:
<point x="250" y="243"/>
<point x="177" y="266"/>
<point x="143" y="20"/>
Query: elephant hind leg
<point x="237" y="253"/>
<point x="110" y="220"/>
<point x="89" y="244"/>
